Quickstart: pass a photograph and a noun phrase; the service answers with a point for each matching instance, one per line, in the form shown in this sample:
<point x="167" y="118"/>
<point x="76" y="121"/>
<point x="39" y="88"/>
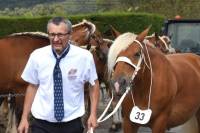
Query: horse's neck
<point x="144" y="76"/>
<point x="142" y="80"/>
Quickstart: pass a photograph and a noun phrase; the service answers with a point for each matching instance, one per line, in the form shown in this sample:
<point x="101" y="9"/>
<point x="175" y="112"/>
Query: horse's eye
<point x="93" y="36"/>
<point x="137" y="55"/>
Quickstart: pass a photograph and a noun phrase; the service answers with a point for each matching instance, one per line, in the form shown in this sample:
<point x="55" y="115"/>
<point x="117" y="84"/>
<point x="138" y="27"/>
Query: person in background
<point x="56" y="75"/>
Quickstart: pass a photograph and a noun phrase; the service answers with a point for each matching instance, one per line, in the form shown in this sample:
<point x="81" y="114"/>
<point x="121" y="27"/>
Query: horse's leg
<point x="198" y="119"/>
<point x="129" y="127"/>
<point x="13" y="122"/>
<point x="188" y="127"/>
<point x="102" y="86"/>
<point x="4" y="107"/>
<point x="87" y="104"/>
<point x="11" y="126"/>
<point x="160" y="124"/>
<point x="3" y="115"/>
<point x="116" y="121"/>
<point x="1" y="100"/>
<point x="19" y="102"/>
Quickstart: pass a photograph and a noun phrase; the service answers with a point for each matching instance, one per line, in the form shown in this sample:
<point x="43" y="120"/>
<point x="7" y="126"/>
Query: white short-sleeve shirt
<point x="77" y="68"/>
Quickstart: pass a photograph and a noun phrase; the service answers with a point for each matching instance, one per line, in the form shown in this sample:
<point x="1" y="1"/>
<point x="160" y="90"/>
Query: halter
<point x="128" y="61"/>
<point x="168" y="47"/>
<point x="137" y="68"/>
<point x="164" y="42"/>
<point x="93" y="36"/>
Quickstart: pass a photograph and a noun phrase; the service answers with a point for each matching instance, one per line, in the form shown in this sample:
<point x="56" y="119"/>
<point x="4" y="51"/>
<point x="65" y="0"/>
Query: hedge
<point x="124" y="22"/>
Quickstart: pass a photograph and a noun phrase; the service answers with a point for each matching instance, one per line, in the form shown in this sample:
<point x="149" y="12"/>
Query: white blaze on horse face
<point x="116" y="85"/>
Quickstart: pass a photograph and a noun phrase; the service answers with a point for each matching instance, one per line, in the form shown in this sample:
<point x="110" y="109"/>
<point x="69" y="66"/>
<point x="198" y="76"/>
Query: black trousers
<point x="42" y="126"/>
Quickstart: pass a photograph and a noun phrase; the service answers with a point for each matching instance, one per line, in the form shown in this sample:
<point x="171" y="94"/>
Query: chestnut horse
<point x="161" y="42"/>
<point x="162" y="91"/>
<point x="86" y="33"/>
<point x="16" y="49"/>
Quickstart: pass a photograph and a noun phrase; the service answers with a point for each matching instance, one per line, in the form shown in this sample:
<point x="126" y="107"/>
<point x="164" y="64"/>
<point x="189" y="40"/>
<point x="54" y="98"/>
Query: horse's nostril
<point x="123" y="81"/>
<point x="116" y="85"/>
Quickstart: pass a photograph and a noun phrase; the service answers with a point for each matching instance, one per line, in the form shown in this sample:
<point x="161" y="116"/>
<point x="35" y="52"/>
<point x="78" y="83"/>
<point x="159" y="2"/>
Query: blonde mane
<point x="89" y="31"/>
<point x="152" y="35"/>
<point x="37" y="34"/>
<point x="108" y="40"/>
<point x="121" y="43"/>
<point x="93" y="27"/>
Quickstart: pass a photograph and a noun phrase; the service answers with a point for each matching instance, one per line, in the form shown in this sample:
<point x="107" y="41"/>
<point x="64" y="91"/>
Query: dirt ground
<point x="103" y="127"/>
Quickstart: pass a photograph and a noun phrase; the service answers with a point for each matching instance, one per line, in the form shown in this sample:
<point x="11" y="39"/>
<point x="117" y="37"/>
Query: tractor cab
<point x="184" y="34"/>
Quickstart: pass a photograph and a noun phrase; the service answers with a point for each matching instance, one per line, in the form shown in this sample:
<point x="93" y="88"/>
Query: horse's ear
<point x="156" y="36"/>
<point x="143" y="34"/>
<point x="115" y="33"/>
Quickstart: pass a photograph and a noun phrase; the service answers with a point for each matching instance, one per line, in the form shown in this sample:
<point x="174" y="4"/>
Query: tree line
<point x="168" y="8"/>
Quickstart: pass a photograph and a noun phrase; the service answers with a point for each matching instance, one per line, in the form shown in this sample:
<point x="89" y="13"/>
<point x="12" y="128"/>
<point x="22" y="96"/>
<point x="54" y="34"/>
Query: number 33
<point x="140" y="116"/>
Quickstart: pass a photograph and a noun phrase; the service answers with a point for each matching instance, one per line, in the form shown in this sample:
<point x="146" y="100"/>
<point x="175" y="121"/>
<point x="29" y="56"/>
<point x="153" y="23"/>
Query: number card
<point x="140" y="116"/>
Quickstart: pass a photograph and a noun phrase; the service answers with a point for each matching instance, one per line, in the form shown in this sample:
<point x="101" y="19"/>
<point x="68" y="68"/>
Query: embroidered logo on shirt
<point x="72" y="74"/>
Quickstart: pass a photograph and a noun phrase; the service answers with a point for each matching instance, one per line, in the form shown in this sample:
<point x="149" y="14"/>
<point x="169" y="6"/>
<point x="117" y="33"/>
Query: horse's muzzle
<point x="120" y="85"/>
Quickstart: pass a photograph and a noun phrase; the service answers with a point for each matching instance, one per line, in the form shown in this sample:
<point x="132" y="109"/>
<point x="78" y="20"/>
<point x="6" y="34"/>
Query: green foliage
<point x="132" y="22"/>
<point x="124" y="22"/>
<point x="13" y="25"/>
<point x="22" y="3"/>
<point x="36" y="8"/>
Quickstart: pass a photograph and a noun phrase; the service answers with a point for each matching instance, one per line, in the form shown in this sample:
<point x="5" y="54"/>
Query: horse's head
<point x="102" y="50"/>
<point x="161" y="42"/>
<point x="95" y="38"/>
<point x="100" y="54"/>
<point x="124" y="60"/>
<point x="85" y="33"/>
<point x="167" y="44"/>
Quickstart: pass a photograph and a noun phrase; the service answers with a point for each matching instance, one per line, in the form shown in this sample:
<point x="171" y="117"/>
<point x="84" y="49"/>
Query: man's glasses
<point x="59" y="35"/>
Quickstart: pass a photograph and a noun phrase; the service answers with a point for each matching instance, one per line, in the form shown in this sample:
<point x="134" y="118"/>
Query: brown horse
<point x="161" y="42"/>
<point x="15" y="51"/>
<point x="86" y="33"/>
<point x="163" y="90"/>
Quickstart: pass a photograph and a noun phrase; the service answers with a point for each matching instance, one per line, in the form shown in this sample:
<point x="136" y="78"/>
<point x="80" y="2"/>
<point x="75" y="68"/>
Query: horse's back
<point x="185" y="62"/>
<point x="15" y="51"/>
<point x="186" y="67"/>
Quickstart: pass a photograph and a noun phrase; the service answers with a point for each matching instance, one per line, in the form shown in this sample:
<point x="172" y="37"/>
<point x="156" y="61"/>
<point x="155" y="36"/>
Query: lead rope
<point x="101" y="119"/>
<point x="137" y="68"/>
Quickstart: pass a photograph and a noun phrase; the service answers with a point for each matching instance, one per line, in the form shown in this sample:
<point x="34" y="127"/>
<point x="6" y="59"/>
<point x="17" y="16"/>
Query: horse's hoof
<point x="115" y="127"/>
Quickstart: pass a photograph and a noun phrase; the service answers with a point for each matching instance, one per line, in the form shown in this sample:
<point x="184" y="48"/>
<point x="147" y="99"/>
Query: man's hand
<point x="23" y="126"/>
<point x="92" y="122"/>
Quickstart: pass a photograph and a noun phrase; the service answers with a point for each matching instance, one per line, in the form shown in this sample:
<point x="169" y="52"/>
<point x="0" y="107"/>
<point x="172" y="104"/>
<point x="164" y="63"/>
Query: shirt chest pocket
<point x="74" y="78"/>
